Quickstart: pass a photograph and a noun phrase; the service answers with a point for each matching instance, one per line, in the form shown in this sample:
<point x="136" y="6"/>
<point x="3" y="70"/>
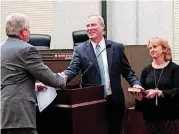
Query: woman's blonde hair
<point x="160" y="41"/>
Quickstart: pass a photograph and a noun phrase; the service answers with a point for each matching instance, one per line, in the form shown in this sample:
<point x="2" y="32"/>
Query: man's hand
<point x="63" y="75"/>
<point x="138" y="86"/>
<point x="39" y="86"/>
<point x="138" y="96"/>
<point x="143" y="92"/>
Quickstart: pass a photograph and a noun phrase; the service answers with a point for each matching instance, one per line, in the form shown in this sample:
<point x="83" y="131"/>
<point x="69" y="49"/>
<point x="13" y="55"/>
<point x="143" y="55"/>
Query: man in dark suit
<point x="21" y="66"/>
<point x="107" y="70"/>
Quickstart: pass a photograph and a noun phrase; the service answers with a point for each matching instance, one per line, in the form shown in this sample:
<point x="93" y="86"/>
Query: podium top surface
<point x="79" y="95"/>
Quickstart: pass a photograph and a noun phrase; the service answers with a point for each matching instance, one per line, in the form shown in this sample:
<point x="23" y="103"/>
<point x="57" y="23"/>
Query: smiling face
<point x="94" y="28"/>
<point x="159" y="49"/>
<point x="156" y="50"/>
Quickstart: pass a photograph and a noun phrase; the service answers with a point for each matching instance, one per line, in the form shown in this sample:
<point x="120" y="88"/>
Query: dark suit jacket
<point x="118" y="64"/>
<point x="21" y="65"/>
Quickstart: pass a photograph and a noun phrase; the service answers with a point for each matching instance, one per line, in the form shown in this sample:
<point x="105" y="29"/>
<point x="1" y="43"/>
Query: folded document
<point x="45" y="97"/>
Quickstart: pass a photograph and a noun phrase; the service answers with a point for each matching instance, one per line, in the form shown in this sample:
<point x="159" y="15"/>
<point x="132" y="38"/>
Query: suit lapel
<point x="109" y="55"/>
<point x="91" y="54"/>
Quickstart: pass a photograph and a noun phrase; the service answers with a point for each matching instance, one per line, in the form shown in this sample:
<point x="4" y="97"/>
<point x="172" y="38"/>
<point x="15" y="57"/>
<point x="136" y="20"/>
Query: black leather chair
<point x="80" y="37"/>
<point x="40" y="41"/>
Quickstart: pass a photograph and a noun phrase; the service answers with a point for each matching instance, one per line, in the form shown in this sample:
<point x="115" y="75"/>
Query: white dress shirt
<point x="105" y="63"/>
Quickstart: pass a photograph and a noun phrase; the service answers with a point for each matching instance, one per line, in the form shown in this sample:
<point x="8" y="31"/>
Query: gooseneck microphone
<point x="80" y="80"/>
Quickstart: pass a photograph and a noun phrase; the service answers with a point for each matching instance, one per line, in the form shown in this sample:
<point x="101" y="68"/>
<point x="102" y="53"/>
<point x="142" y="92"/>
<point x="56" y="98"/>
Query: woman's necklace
<point x="157" y="83"/>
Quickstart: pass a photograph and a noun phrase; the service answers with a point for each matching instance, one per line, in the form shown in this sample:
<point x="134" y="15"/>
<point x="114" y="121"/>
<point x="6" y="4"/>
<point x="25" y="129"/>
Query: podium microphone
<point x="80" y="80"/>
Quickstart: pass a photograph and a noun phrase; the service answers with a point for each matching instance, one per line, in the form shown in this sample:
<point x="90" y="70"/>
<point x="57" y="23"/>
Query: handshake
<point x="63" y="75"/>
<point x="40" y="86"/>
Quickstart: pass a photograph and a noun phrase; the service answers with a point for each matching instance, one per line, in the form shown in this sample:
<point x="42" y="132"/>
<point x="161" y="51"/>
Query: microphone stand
<point x="80" y="81"/>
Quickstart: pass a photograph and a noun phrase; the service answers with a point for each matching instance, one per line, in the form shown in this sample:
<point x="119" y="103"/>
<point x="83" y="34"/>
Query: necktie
<point x="101" y="68"/>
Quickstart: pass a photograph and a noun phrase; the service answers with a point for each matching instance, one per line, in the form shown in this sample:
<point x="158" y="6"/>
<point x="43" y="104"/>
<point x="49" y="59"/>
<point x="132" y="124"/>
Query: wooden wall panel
<point x="138" y="57"/>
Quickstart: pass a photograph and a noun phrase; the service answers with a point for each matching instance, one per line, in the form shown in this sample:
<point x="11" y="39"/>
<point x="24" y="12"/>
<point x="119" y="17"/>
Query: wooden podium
<point x="75" y="111"/>
<point x="133" y="124"/>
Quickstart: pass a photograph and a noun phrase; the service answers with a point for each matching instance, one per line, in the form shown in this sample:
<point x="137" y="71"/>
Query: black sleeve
<point x="143" y="76"/>
<point x="174" y="92"/>
<point x="140" y="106"/>
<point x="74" y="66"/>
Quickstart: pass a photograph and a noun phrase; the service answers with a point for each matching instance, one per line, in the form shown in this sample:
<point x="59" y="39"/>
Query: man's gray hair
<point x="100" y="18"/>
<point x="15" y="23"/>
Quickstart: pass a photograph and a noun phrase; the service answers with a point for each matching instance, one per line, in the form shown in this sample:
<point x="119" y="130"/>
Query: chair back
<point x="79" y="37"/>
<point x="40" y="41"/>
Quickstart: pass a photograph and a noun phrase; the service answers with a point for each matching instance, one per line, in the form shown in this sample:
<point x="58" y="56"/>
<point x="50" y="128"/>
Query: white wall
<point x="135" y="22"/>
<point x="155" y="19"/>
<point x="129" y="22"/>
<point x="121" y="21"/>
<point x="176" y="32"/>
<point x="41" y="17"/>
<point x="58" y="18"/>
<point x="71" y="16"/>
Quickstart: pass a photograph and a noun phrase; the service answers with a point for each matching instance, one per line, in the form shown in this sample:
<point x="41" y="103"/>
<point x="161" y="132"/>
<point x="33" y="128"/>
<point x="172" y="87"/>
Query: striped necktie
<point x="101" y="68"/>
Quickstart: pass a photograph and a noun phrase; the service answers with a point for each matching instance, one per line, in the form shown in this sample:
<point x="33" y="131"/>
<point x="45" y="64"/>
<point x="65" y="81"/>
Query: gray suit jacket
<point x="21" y="65"/>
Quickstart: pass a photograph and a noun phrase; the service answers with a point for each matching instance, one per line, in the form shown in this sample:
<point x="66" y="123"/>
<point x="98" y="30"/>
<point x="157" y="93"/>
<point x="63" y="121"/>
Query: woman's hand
<point x="152" y="93"/>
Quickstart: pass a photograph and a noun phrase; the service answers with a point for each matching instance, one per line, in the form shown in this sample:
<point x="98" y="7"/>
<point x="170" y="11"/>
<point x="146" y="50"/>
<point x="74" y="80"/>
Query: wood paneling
<point x="138" y="56"/>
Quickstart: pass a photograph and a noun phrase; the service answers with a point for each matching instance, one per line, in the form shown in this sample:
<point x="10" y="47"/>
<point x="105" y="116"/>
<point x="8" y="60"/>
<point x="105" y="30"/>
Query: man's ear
<point x="22" y="32"/>
<point x="103" y="26"/>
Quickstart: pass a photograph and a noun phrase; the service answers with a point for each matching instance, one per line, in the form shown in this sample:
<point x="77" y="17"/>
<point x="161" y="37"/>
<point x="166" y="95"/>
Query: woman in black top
<point x="161" y="80"/>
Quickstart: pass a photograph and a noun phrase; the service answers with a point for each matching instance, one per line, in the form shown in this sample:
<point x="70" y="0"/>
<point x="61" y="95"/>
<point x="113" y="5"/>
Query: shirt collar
<point x="101" y="44"/>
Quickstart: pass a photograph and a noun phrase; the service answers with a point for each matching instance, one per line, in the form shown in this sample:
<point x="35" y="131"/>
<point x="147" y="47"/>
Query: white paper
<point x="45" y="97"/>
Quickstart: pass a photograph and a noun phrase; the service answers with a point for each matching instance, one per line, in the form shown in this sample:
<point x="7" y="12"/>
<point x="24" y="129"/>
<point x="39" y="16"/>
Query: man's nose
<point x="90" y="27"/>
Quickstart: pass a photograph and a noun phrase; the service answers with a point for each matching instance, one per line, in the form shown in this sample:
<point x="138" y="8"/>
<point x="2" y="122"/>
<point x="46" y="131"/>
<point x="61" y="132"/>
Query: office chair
<point x="80" y="37"/>
<point x="40" y="41"/>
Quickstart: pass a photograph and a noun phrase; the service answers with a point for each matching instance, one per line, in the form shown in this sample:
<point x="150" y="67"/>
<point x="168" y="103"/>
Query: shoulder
<point x="114" y="44"/>
<point x="147" y="68"/>
<point x="173" y="66"/>
<point x="82" y="45"/>
<point x="24" y="46"/>
<point x="26" y="49"/>
<point x="15" y="45"/>
<point x="21" y="44"/>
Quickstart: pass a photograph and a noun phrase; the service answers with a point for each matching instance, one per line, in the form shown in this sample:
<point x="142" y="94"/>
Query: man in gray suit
<point x="21" y="66"/>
